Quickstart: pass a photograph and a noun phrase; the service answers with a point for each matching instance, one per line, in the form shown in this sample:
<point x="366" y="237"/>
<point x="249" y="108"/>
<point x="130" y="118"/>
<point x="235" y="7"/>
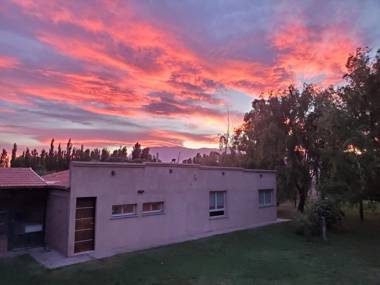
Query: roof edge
<point x="160" y="164"/>
<point x="39" y="176"/>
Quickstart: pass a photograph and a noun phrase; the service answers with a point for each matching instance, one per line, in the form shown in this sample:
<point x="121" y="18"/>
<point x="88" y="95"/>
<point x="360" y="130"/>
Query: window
<point x="124" y="210"/>
<point x="266" y="197"/>
<point x="217" y="203"/>
<point x="153" y="207"/>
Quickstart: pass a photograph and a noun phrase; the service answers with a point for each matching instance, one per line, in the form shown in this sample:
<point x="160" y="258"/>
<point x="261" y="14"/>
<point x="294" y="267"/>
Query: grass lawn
<point x="269" y="255"/>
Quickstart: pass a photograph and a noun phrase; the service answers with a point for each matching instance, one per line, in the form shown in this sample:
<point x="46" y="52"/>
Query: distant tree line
<point x="57" y="159"/>
<point x="328" y="137"/>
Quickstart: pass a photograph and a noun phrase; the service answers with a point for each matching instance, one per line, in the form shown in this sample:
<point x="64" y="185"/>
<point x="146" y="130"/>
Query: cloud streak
<point x="8" y="62"/>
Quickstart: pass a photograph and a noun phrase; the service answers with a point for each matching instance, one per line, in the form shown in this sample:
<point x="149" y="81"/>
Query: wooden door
<point x="85" y="224"/>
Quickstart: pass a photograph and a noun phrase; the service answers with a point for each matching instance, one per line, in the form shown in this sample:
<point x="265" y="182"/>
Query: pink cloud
<point x="129" y="68"/>
<point x="8" y="62"/>
<point x="311" y="52"/>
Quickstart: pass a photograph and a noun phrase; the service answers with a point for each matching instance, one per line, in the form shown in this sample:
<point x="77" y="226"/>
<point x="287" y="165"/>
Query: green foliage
<point x="372" y="206"/>
<point x="310" y="222"/>
<point x="328" y="209"/>
<point x="214" y="158"/>
<point x="279" y="133"/>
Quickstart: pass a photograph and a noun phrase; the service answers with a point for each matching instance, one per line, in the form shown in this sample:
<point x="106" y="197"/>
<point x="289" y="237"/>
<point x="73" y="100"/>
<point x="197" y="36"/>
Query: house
<point x="104" y="208"/>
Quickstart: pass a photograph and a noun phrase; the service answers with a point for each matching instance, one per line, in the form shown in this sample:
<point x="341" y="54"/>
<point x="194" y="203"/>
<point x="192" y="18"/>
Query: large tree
<point x="352" y="163"/>
<point x="279" y="133"/>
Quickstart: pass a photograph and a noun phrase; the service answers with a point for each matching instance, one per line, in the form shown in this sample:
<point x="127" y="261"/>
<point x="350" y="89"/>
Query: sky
<point x="164" y="73"/>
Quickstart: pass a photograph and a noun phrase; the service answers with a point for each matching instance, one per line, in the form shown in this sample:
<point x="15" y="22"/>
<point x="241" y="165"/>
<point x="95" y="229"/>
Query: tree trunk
<point x="301" y="203"/>
<point x="362" y="191"/>
<point x="302" y="199"/>
<point x="361" y="210"/>
<point x="324" y="230"/>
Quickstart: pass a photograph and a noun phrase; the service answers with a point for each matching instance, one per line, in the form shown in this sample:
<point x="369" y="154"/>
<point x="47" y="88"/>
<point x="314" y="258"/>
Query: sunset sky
<point x="108" y="73"/>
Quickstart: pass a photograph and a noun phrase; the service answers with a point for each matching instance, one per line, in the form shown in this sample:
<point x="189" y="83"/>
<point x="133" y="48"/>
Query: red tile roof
<point x="58" y="179"/>
<point x="20" y="178"/>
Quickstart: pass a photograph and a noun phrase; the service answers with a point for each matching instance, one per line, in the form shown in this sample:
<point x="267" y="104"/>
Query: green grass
<point x="270" y="255"/>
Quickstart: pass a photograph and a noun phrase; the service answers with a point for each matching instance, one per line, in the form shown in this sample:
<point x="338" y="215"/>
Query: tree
<point x="14" y="155"/>
<point x="278" y="134"/>
<point x="105" y="155"/>
<point x="351" y="168"/>
<point x="197" y="159"/>
<point x="51" y="159"/>
<point x="60" y="161"/>
<point x="4" y="160"/>
<point x="95" y="154"/>
<point x="361" y="100"/>
<point x="43" y="160"/>
<point x="69" y="148"/>
<point x="119" y="154"/>
<point x="81" y="153"/>
<point x="122" y="153"/>
<point x="86" y="155"/>
<point x="145" y="155"/>
<point x="136" y="152"/>
<point x="28" y="158"/>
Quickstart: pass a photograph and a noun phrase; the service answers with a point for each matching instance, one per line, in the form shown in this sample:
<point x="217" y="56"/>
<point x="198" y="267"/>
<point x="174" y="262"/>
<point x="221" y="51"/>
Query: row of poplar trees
<point x="59" y="159"/>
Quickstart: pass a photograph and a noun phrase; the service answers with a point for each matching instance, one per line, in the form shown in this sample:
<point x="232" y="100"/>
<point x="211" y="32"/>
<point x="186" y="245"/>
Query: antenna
<point x="228" y="128"/>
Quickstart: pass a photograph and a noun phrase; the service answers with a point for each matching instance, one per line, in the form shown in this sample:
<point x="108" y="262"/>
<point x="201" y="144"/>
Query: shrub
<point x="309" y="223"/>
<point x="329" y="210"/>
<point x="303" y="225"/>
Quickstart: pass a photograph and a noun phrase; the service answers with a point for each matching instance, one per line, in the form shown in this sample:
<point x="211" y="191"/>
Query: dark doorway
<point x="22" y="217"/>
<point x="85" y="224"/>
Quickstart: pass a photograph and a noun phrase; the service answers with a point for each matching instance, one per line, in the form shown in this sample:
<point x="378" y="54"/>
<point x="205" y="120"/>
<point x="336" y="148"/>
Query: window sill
<point x="146" y="214"/>
<point x="218" y="217"/>
<point x="267" y="206"/>
<point x="123" y="217"/>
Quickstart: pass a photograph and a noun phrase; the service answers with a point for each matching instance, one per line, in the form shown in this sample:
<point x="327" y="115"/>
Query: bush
<point x="303" y="225"/>
<point x="309" y="223"/>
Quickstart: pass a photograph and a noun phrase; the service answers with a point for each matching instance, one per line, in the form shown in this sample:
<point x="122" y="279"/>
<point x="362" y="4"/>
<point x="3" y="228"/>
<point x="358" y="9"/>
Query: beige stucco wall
<point x="57" y="220"/>
<point x="185" y="193"/>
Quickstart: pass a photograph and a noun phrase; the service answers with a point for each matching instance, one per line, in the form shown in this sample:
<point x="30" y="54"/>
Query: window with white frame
<point x="124" y="210"/>
<point x="217" y="206"/>
<point x="153" y="207"/>
<point x="266" y="197"/>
